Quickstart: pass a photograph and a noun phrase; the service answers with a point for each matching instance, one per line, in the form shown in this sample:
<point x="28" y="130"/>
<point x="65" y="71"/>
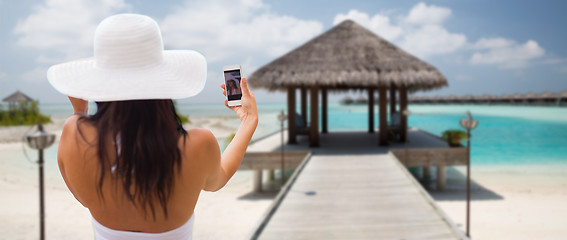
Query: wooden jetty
<point x="351" y="189"/>
<point x="530" y="98"/>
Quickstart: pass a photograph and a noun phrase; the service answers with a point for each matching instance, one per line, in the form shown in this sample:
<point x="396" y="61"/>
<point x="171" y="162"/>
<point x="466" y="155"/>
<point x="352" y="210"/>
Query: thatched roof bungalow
<point x="346" y="57"/>
<point x="16" y="98"/>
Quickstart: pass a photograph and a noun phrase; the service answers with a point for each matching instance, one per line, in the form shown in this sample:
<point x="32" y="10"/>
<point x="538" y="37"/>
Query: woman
<point x="131" y="163"/>
<point x="232" y="88"/>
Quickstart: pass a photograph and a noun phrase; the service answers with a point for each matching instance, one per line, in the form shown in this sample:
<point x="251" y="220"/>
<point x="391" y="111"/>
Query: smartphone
<point x="232" y="77"/>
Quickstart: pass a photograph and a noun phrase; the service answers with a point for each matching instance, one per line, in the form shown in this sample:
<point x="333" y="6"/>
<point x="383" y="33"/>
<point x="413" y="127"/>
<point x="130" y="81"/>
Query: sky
<point x="481" y="46"/>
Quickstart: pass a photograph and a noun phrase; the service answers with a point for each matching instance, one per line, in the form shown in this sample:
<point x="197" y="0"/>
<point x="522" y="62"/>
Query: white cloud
<point x="64" y="28"/>
<point x="36" y="75"/>
<point x="506" y="53"/>
<point x="432" y="40"/>
<point x="463" y="77"/>
<point x="380" y="24"/>
<point x="246" y="28"/>
<point x="563" y="69"/>
<point x="427" y="15"/>
<point x="485" y="43"/>
<point x="420" y="32"/>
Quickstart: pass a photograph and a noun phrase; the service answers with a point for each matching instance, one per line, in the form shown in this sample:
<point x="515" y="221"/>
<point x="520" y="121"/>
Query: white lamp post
<point x="40" y="140"/>
<point x="468" y="123"/>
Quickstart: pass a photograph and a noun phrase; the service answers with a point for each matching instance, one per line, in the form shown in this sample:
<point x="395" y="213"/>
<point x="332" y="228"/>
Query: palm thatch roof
<point x="345" y="57"/>
<point x="17" y="97"/>
<point x="547" y="94"/>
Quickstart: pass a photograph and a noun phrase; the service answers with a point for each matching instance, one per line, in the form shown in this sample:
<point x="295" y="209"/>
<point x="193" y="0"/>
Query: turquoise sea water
<point x="505" y="134"/>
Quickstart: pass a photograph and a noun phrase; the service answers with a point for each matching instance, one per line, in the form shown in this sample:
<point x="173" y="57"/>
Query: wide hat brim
<point x="181" y="74"/>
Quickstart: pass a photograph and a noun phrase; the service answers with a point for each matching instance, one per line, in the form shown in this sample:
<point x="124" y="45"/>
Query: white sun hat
<point x="130" y="63"/>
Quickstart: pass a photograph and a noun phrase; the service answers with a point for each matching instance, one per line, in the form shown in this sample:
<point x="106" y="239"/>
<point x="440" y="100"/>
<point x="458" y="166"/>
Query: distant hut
<point x="485" y="98"/>
<point x="16" y="98"/>
<point x="547" y="97"/>
<point x="361" y="100"/>
<point x="437" y="99"/>
<point x="348" y="57"/>
<point x="451" y="99"/>
<point x="346" y="100"/>
<point x="562" y="98"/>
<point x="518" y="98"/>
<point x="530" y="97"/>
<point x="506" y="98"/>
<point x="467" y="99"/>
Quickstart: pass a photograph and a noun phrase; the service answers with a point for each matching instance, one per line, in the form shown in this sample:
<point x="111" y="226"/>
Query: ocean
<point x="505" y="134"/>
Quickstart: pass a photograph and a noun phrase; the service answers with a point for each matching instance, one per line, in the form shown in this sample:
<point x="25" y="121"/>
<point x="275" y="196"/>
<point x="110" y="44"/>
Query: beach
<point x="230" y="213"/>
<point x="508" y="202"/>
<point x="517" y="193"/>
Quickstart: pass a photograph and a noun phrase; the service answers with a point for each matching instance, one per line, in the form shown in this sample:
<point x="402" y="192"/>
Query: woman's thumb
<point x="244" y="86"/>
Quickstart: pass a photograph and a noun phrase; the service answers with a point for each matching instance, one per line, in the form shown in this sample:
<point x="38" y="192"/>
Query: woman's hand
<point x="80" y="106"/>
<point x="248" y="108"/>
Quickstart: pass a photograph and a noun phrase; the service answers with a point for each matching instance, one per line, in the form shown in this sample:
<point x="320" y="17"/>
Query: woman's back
<point x="80" y="167"/>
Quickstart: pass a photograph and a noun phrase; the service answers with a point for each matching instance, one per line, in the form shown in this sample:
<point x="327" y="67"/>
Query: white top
<point x="182" y="232"/>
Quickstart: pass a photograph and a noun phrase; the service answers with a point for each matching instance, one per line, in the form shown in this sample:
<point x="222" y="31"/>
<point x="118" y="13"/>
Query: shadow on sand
<point x="456" y="188"/>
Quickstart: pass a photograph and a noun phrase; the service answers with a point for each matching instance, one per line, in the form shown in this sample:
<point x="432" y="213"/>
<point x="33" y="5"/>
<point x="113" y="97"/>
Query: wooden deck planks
<point x="356" y="197"/>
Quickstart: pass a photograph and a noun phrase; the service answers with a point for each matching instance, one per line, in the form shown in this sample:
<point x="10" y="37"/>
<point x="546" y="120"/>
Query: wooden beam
<point x="392" y="100"/>
<point x="291" y="129"/>
<point x="370" y="110"/>
<point x="403" y="106"/>
<point x="421" y="157"/>
<point x="314" y="124"/>
<point x="324" y="110"/>
<point x="304" y="104"/>
<point x="272" y="160"/>
<point x="382" y="111"/>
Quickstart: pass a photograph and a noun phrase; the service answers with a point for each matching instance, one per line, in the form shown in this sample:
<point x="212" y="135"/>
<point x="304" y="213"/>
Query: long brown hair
<point x="145" y="134"/>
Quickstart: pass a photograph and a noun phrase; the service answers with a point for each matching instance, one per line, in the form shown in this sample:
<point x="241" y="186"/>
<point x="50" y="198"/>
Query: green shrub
<point x="454" y="136"/>
<point x="25" y="113"/>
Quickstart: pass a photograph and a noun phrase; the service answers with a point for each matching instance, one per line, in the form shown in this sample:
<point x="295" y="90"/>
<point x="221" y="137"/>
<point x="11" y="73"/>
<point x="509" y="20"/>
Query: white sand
<point x="230" y="213"/>
<point x="509" y="202"/>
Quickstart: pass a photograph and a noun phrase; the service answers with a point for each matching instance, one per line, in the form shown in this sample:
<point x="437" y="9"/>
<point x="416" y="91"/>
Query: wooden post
<point x="291" y="115"/>
<point x="314" y="124"/>
<point x="270" y="175"/>
<point x="426" y="172"/>
<point x="441" y="177"/>
<point x="257" y="180"/>
<point x="392" y="100"/>
<point x="304" y="104"/>
<point x="370" y="110"/>
<point x="324" y="109"/>
<point x="403" y="106"/>
<point x="382" y="111"/>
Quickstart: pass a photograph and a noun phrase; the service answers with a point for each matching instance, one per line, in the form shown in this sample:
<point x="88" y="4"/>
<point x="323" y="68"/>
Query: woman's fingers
<point x="223" y="89"/>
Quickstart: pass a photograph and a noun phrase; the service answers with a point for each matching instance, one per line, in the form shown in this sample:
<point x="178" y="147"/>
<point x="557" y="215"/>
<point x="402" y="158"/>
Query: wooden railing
<point x="432" y="157"/>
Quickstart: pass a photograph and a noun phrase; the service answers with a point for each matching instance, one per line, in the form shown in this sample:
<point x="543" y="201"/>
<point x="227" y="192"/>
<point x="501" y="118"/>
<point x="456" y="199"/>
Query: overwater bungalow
<point x="562" y="98"/>
<point x="467" y="99"/>
<point x="347" y="57"/>
<point x="530" y="97"/>
<point x="361" y="100"/>
<point x="485" y="98"/>
<point x="452" y="99"/>
<point x="547" y="97"/>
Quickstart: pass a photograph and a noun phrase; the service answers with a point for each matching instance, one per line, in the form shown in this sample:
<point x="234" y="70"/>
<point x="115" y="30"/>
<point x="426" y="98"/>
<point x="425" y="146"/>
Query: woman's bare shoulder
<point x="201" y="137"/>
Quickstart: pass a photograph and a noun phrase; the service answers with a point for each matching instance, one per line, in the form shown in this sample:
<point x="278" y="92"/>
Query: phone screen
<point x="232" y="82"/>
